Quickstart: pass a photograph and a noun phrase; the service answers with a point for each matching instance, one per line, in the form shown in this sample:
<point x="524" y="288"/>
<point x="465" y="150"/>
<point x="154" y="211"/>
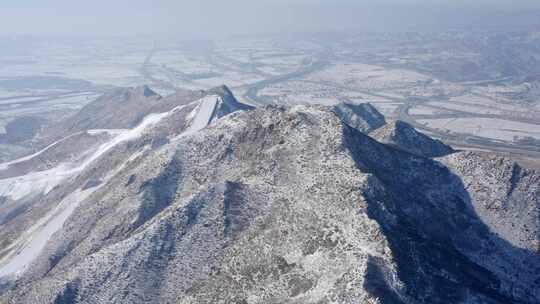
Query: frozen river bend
<point x="204" y="200"/>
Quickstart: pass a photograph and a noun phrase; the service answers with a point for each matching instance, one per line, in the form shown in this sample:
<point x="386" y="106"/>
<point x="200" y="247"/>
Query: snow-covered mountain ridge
<point x="209" y="201"/>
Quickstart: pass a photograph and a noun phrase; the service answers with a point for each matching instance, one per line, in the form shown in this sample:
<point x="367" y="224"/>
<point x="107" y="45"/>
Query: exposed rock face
<point x="403" y="136"/>
<point x="286" y="205"/>
<point x="363" y="117"/>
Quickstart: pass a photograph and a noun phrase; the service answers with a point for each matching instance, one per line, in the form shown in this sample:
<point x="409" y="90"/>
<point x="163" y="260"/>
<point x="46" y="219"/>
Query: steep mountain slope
<point x="506" y="196"/>
<point x="280" y="205"/>
<point x="40" y="191"/>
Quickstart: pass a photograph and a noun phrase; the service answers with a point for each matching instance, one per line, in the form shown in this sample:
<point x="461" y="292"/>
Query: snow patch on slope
<point x="33" y="183"/>
<point x="44" y="181"/>
<point x="204" y="113"/>
<point x="29" y="245"/>
<point x="5" y="165"/>
<point x="34" y="239"/>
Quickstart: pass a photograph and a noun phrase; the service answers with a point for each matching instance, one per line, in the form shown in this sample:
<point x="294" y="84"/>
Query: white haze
<point x="211" y="18"/>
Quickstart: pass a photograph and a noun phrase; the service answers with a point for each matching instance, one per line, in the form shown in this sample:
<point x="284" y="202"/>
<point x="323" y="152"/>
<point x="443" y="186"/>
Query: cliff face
<point x="286" y="205"/>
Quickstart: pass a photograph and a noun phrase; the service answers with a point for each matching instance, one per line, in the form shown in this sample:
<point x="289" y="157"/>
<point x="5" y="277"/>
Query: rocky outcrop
<point x="364" y="117"/>
<point x="506" y="196"/>
<point x="405" y="137"/>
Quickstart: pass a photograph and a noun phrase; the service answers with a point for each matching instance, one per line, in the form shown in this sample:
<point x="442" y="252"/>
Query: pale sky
<point x="209" y="18"/>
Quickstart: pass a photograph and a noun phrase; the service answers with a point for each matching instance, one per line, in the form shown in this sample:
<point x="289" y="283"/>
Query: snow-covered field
<point x="108" y="62"/>
<point x="487" y="102"/>
<point x="485" y="127"/>
<point x="466" y="107"/>
<point x="369" y="77"/>
<point x="19" y="100"/>
<point x="232" y="79"/>
<point x="422" y="110"/>
<point x="42" y="105"/>
<point x="110" y="75"/>
<point x="307" y="92"/>
<point x="181" y="62"/>
<point x="301" y="92"/>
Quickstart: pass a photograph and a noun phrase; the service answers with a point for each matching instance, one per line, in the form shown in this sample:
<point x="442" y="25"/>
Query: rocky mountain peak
<point x="363" y="117"/>
<point x="403" y="136"/>
<point x="143" y="90"/>
<point x="227" y="102"/>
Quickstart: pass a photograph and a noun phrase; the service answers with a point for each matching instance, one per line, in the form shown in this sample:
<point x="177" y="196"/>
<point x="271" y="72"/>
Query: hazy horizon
<point x="210" y="19"/>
